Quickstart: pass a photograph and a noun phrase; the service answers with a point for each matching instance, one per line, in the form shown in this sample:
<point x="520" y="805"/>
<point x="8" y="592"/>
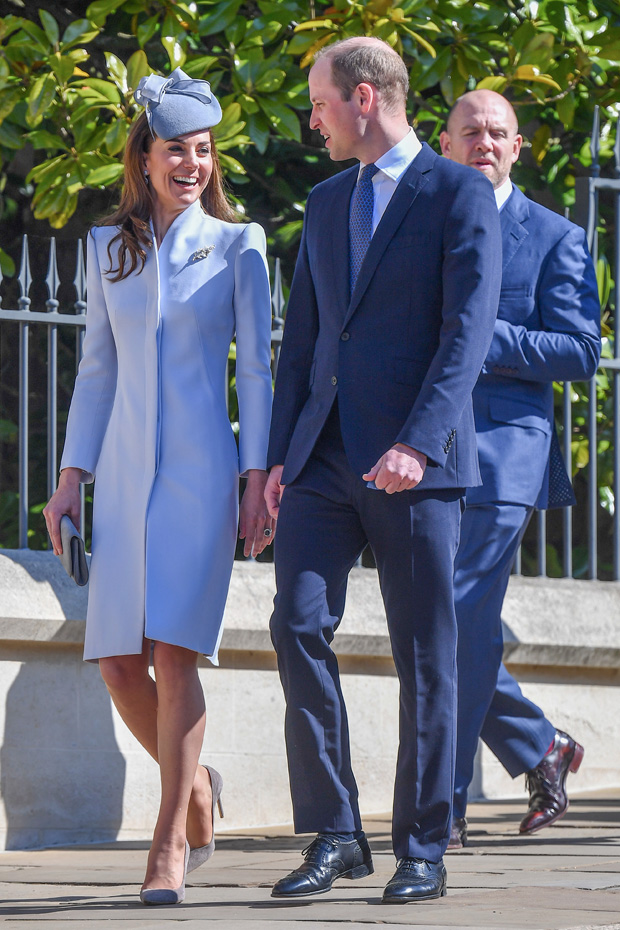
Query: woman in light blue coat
<point x="171" y="279"/>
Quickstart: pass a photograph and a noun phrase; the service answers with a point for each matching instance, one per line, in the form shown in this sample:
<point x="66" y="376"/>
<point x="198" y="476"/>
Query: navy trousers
<point x="491" y="704"/>
<point x="327" y="517"/>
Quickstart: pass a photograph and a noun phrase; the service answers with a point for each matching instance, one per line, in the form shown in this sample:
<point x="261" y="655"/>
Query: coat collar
<point x="515" y="212"/>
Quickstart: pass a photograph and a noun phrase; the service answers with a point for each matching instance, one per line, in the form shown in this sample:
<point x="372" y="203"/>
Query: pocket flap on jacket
<point x="518" y="413"/>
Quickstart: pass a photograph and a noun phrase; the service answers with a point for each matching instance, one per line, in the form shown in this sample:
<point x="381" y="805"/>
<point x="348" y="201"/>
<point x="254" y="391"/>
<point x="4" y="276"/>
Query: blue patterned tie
<point x="360" y="221"/>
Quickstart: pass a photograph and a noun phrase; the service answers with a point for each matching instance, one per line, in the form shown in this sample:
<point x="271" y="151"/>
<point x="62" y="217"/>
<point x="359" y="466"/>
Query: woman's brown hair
<point x="136" y="206"/>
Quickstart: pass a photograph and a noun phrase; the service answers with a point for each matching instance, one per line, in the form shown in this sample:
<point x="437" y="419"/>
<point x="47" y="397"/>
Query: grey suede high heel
<point x="167" y="895"/>
<point x="202" y="853"/>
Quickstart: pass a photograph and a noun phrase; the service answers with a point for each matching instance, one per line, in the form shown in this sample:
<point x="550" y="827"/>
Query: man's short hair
<point x="375" y="63"/>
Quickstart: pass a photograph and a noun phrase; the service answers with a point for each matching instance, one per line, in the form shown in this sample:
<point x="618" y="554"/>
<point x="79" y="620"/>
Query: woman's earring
<point x="146" y="176"/>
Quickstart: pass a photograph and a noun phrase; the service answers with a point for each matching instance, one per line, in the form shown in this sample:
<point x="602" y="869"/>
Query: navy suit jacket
<point x="547" y="329"/>
<point x="403" y="352"/>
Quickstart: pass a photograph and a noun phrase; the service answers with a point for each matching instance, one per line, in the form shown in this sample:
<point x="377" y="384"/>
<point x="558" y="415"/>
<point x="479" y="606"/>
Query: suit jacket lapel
<point x="514" y="213"/>
<point x="408" y="189"/>
<point x="337" y="245"/>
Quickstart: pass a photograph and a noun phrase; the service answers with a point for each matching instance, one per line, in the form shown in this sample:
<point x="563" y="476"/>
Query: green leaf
<point x="198" y="67"/>
<point x="98" y="11"/>
<point x="66" y="211"/>
<point x="271" y="81"/>
<point x="147" y="30"/>
<point x="11" y="136"/>
<point x="540" y="142"/>
<point x="8" y="100"/>
<point x="532" y="73"/>
<point x="218" y="21"/>
<point x="80" y="30"/>
<point x="41" y="94"/>
<point x="230" y="123"/>
<point x="101" y="88"/>
<point x="498" y="84"/>
<point x="63" y="66"/>
<point x="421" y="41"/>
<point x="435" y="72"/>
<point x="289" y="233"/>
<point x="105" y="175"/>
<point x="116" y="136"/>
<point x="42" y="139"/>
<point x="8" y="431"/>
<point x="88" y="107"/>
<point x="603" y="280"/>
<point x="524" y="34"/>
<point x="230" y="164"/>
<point x="566" y="109"/>
<point x="137" y="68"/>
<point x="610" y="52"/>
<point x="46" y="170"/>
<point x="282" y="118"/>
<point x="117" y="69"/>
<point x="316" y="24"/>
<point x="35" y="33"/>
<point x="50" y="25"/>
<point x="175" y="51"/>
<point x="258" y="129"/>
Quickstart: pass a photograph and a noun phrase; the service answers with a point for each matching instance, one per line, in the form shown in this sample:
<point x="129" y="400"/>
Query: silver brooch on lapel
<point x="199" y="254"/>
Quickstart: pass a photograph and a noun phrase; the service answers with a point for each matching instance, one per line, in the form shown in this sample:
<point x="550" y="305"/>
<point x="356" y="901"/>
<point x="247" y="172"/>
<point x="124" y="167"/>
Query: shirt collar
<point x="397" y="159"/>
<point x="503" y="192"/>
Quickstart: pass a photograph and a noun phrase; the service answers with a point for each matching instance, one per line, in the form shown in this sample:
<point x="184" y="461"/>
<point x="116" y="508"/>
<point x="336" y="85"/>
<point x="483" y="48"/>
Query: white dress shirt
<point x="503" y="192"/>
<point x="392" y="166"/>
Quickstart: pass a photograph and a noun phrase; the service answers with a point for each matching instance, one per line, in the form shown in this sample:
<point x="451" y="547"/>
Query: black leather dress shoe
<point x="458" y="833"/>
<point x="546" y="783"/>
<point x="415" y="880"/>
<point x="326" y="859"/>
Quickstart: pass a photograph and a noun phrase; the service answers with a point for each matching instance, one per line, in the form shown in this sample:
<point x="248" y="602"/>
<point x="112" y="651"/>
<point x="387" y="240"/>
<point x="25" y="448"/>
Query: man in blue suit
<point x="547" y="329"/>
<point x="389" y="320"/>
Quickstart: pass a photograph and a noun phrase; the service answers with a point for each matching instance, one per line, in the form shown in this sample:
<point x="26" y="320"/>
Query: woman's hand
<point x="66" y="499"/>
<point x="253" y="516"/>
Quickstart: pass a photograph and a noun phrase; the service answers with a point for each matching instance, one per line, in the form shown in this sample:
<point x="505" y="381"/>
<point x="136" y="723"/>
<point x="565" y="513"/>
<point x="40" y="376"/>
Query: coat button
<point x="345" y="336"/>
<point x="334" y="379"/>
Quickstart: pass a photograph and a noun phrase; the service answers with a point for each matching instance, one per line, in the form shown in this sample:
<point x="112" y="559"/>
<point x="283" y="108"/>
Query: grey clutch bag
<point x="73" y="556"/>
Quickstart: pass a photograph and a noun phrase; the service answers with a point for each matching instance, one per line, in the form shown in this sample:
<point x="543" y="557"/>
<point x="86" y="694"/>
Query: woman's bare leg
<point x="180" y="732"/>
<point x="135" y="696"/>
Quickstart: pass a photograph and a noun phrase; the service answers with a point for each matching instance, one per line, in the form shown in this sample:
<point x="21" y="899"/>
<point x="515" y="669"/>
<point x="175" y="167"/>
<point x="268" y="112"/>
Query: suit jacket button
<point x="345" y="336"/>
<point x="334" y="379"/>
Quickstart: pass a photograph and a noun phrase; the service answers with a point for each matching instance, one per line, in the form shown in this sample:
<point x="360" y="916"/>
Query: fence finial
<point x="24" y="278"/>
<point x="52" y="280"/>
<point x="80" y="279"/>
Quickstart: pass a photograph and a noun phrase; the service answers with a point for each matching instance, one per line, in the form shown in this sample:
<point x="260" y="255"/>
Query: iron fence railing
<point x="73" y="315"/>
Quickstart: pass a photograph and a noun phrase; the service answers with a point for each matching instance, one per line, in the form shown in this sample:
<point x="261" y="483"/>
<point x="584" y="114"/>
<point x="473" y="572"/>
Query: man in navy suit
<point x="389" y="320"/>
<point x="547" y="329"/>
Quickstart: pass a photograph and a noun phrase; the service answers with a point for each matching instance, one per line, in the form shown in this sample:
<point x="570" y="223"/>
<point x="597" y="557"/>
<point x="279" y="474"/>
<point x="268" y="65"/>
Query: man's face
<point x="335" y="118"/>
<point x="482" y="133"/>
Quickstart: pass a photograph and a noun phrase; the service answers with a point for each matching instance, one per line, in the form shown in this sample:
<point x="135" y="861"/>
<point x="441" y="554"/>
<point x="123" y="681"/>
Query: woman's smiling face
<point x="179" y="170"/>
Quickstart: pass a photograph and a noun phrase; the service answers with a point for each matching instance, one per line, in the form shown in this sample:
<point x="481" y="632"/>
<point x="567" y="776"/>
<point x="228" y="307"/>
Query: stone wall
<point x="71" y="773"/>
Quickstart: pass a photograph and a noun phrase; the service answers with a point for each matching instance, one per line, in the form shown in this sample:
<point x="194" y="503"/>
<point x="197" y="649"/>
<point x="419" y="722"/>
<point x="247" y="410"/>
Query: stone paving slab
<point x="566" y="878"/>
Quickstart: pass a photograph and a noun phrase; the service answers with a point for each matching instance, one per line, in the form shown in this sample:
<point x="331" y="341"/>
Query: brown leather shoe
<point x="458" y="833"/>
<point x="546" y="783"/>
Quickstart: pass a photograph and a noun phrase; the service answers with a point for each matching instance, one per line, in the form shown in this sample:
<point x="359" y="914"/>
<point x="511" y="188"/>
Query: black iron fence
<point x="71" y="318"/>
<point x="584" y="415"/>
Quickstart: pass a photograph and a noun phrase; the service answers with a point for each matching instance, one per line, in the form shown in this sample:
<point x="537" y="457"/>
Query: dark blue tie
<point x="360" y="221"/>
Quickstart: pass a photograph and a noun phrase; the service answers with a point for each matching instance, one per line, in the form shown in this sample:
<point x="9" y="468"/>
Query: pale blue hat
<point x="177" y="104"/>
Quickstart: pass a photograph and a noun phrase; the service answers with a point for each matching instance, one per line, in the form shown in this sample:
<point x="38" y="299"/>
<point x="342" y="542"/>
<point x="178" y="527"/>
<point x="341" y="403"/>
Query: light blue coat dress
<point x="149" y="420"/>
